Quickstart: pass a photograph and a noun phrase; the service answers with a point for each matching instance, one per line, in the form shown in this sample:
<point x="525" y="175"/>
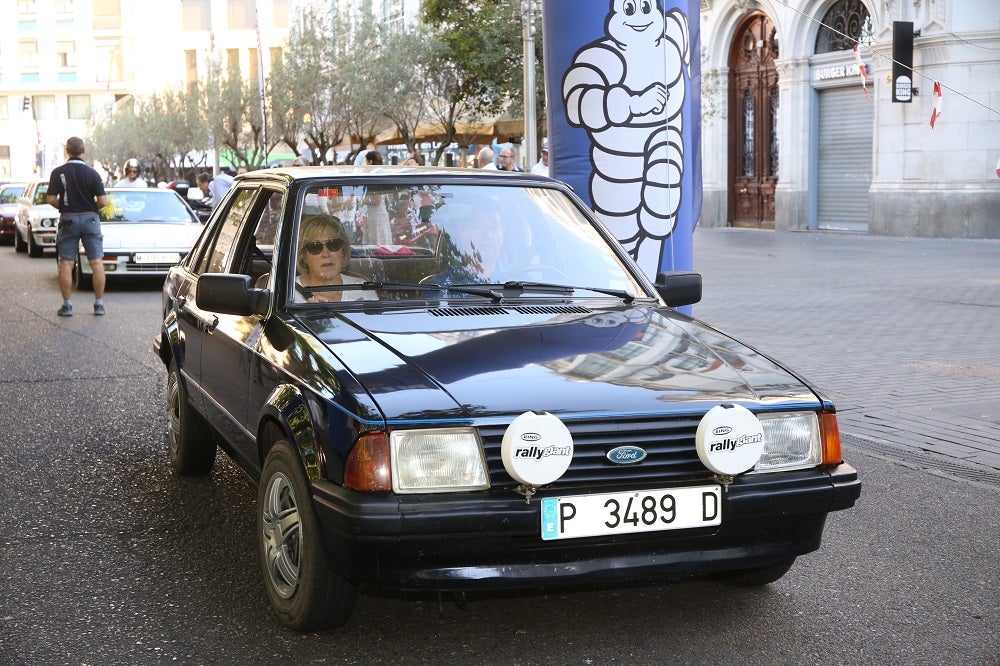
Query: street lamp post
<point x="529" y="9"/>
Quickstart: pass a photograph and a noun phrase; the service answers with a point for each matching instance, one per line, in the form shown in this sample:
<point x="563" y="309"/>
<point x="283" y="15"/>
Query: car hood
<point x="492" y="361"/>
<point x="8" y="209"/>
<point x="150" y="236"/>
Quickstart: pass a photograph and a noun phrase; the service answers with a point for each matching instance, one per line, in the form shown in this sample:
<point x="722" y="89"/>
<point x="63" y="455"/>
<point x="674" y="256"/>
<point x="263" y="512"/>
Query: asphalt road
<point x="111" y="559"/>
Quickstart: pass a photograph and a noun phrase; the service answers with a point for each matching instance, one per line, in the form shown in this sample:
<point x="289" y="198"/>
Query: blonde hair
<point x="312" y="226"/>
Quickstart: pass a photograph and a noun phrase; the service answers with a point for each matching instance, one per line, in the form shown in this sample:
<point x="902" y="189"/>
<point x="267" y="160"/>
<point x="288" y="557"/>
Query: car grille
<point x="668" y="442"/>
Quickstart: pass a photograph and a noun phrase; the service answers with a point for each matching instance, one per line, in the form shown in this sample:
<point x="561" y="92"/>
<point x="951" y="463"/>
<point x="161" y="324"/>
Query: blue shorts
<point x="76" y="227"/>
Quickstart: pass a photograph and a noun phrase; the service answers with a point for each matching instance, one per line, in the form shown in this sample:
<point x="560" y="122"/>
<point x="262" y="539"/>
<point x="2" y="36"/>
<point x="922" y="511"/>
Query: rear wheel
<point x="189" y="439"/>
<point x="304" y="593"/>
<point x="757" y="576"/>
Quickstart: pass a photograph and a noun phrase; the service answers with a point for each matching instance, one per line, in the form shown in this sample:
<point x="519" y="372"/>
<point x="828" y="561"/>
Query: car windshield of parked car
<point x="451" y="239"/>
<point x="138" y="206"/>
<point x="10" y="194"/>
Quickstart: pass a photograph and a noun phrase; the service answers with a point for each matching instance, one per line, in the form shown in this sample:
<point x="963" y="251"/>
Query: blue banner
<point x="624" y="118"/>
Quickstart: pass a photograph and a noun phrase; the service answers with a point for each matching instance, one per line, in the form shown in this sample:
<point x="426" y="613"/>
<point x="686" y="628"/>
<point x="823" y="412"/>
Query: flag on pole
<point x="862" y="72"/>
<point x="936" y="113"/>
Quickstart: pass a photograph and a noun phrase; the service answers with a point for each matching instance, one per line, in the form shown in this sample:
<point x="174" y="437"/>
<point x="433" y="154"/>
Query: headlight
<point x="50" y="222"/>
<point x="437" y="460"/>
<point x="791" y="441"/>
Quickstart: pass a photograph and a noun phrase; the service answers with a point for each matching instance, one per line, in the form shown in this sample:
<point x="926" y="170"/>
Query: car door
<point x="229" y="344"/>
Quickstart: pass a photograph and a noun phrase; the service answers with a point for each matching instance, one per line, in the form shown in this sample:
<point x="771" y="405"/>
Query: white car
<point x="36" y="221"/>
<point x="146" y="231"/>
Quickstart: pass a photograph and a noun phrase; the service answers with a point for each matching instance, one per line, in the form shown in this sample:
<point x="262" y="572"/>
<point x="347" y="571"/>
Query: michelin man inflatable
<point x="627" y="90"/>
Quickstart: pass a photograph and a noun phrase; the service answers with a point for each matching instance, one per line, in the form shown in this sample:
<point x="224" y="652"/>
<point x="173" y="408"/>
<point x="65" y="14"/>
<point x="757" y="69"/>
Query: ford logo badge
<point x="722" y="430"/>
<point x="530" y="436"/>
<point x="626" y="455"/>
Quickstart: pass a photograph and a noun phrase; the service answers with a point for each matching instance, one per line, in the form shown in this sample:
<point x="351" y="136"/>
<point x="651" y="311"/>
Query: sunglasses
<point x="332" y="244"/>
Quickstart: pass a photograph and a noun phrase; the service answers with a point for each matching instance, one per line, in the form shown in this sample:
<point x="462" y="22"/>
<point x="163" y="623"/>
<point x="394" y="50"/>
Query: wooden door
<point x="753" y="112"/>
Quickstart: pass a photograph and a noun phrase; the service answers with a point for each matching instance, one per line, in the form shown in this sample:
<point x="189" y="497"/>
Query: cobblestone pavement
<point x="903" y="334"/>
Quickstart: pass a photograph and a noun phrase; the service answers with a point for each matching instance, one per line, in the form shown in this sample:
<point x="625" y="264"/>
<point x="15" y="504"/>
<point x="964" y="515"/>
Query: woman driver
<point x="324" y="253"/>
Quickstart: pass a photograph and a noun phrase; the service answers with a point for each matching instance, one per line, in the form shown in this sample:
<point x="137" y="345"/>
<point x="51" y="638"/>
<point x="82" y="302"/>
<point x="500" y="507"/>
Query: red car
<point x="9" y="194"/>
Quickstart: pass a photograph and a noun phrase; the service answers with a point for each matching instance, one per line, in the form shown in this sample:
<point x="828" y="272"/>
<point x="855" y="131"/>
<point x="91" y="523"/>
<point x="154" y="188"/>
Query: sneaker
<point x="98" y="309"/>
<point x="65" y="311"/>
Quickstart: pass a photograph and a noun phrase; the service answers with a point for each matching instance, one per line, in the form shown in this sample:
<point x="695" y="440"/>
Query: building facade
<point x="792" y="141"/>
<point x="62" y="61"/>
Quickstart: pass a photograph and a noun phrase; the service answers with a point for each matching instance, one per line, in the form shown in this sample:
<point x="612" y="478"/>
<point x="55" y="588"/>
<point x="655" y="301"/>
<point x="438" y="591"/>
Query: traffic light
<point x="25" y="103"/>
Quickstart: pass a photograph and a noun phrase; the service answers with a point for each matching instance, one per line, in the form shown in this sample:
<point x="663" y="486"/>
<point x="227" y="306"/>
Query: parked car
<point x="146" y="231"/>
<point x="37" y="221"/>
<point x="504" y="403"/>
<point x="9" y="194"/>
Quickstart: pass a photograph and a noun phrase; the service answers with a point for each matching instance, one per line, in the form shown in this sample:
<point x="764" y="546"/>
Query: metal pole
<point x="528" y="8"/>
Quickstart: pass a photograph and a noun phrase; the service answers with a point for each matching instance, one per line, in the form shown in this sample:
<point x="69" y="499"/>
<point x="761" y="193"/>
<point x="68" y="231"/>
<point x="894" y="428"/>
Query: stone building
<point x="791" y="141"/>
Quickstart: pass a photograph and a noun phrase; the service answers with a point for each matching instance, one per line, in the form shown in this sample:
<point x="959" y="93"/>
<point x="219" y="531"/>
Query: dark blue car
<point x="448" y="380"/>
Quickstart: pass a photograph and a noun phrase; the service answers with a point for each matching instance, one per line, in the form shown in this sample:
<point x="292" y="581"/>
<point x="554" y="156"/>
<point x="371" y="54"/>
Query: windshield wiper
<point x="493" y="291"/>
<point x="547" y="287"/>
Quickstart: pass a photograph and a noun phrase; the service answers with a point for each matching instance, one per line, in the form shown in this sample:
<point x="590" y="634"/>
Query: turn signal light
<point x="368" y="465"/>
<point x="830" y="433"/>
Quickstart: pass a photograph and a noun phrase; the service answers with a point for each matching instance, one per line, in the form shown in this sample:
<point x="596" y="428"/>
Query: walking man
<point x="76" y="190"/>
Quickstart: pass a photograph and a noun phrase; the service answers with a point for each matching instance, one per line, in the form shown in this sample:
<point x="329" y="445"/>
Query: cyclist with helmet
<point x="131" y="178"/>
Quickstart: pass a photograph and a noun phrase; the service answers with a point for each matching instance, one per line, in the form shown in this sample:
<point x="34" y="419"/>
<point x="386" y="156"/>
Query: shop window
<point x="845" y="24"/>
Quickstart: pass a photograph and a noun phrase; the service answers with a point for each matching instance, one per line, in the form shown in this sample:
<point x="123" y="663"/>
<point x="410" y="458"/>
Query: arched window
<point x="845" y="24"/>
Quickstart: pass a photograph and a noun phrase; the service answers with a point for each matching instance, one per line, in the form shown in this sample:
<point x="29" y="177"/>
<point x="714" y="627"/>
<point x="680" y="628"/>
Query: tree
<point x="307" y="89"/>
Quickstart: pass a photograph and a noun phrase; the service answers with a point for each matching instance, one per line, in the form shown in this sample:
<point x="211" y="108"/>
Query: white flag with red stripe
<point x="936" y="113"/>
<point x="862" y="72"/>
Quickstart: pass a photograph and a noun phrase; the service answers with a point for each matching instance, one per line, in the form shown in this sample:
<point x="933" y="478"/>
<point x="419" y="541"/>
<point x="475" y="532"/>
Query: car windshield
<point x="143" y="206"/>
<point x="10" y="195"/>
<point x="369" y="242"/>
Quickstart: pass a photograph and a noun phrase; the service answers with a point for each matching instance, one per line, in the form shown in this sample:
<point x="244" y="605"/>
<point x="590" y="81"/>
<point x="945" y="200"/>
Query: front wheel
<point x="304" y="593"/>
<point x="757" y="576"/>
<point x="82" y="280"/>
<point x="34" y="249"/>
<point x="189" y="438"/>
<point x="19" y="244"/>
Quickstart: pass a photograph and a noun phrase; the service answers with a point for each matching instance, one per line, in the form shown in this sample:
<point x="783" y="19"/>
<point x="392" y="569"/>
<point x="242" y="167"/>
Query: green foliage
<point x="340" y="79"/>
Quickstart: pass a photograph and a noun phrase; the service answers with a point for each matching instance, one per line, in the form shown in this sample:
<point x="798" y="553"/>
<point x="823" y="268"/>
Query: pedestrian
<point x="76" y="190"/>
<point x="485" y="158"/>
<point x="542" y="166"/>
<point x="507" y="161"/>
<point x="214" y="188"/>
<point x="132" y="178"/>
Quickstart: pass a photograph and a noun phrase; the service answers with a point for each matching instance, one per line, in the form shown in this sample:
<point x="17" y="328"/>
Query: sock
<point x="67" y="303"/>
<point x="98" y="301"/>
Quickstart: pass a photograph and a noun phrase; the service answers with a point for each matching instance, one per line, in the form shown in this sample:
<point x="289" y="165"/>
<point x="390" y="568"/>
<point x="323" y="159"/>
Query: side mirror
<point x="226" y="293"/>
<point x="678" y="288"/>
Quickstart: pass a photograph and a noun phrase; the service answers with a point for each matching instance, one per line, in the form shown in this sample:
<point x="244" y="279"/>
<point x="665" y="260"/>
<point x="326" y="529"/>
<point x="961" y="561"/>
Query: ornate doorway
<point x="753" y="132"/>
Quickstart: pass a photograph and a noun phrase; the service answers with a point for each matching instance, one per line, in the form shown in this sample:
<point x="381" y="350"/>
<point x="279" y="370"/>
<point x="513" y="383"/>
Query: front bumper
<point x="492" y="540"/>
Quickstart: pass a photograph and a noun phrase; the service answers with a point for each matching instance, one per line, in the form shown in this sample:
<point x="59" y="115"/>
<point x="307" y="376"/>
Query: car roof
<point x="300" y="173"/>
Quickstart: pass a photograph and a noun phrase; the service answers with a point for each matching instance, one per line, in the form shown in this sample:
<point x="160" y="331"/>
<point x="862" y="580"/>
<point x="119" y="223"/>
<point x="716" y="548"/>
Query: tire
<point x="190" y="440"/>
<point x="83" y="280"/>
<point x="34" y="249"/>
<point x="757" y="576"/>
<point x="304" y="593"/>
<point x="19" y="244"/>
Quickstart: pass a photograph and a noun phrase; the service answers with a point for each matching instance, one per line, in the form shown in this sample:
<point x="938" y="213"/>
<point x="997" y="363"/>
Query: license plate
<point x="157" y="257"/>
<point x="628" y="512"/>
